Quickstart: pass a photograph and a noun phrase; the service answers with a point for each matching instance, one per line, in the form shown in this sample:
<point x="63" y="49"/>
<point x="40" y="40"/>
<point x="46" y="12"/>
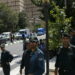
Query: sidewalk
<point x="52" y="66"/>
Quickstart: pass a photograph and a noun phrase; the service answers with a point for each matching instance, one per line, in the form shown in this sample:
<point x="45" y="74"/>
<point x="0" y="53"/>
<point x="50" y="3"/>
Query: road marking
<point x="15" y="60"/>
<point x="6" y="44"/>
<point x="13" y="42"/>
<point x="15" y="71"/>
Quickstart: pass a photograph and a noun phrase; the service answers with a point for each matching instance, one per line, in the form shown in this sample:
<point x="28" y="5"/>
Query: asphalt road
<point x="16" y="49"/>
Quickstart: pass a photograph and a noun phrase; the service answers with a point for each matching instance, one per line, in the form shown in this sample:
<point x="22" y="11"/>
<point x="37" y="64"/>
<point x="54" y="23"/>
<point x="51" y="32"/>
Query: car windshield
<point x="5" y="35"/>
<point x="23" y="32"/>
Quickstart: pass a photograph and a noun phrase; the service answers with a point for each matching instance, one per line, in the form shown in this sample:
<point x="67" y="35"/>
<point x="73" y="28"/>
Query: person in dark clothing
<point x="37" y="65"/>
<point x="6" y="58"/>
<point x="65" y="60"/>
<point x="23" y="36"/>
<point x="72" y="33"/>
<point x="11" y="37"/>
<point x="25" y="42"/>
<point x="26" y="59"/>
<point x="42" y="45"/>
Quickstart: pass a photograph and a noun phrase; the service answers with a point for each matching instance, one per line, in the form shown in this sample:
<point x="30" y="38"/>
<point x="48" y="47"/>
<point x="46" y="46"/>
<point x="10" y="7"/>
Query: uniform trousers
<point x="6" y="69"/>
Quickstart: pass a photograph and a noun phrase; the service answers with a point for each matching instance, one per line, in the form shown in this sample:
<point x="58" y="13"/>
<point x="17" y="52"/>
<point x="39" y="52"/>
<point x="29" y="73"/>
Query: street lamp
<point x="45" y="5"/>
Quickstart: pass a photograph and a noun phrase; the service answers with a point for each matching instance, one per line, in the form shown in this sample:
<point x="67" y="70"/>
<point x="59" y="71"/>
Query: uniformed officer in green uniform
<point x="65" y="60"/>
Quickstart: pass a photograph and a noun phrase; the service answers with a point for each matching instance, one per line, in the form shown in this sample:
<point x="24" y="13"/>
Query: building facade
<point x="32" y="12"/>
<point x="17" y="5"/>
<point x="29" y="8"/>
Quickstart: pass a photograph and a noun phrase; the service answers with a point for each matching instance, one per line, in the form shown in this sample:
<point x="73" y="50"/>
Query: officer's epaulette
<point x="59" y="50"/>
<point x="39" y="51"/>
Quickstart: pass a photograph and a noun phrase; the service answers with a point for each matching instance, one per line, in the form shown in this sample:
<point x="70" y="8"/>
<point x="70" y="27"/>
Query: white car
<point x="17" y="35"/>
<point x="6" y="35"/>
<point x="32" y="35"/>
<point x="0" y="36"/>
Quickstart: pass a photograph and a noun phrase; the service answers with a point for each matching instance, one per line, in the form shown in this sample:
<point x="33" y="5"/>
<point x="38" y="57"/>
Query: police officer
<point x="72" y="33"/>
<point x="6" y="58"/>
<point x="65" y="61"/>
<point x="26" y="59"/>
<point x="37" y="66"/>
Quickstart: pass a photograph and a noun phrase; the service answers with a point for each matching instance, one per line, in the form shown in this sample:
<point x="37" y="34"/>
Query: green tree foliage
<point x="8" y="19"/>
<point x="61" y="3"/>
<point x="46" y="15"/>
<point x="61" y="23"/>
<point x="58" y="21"/>
<point x="22" y="23"/>
<point x="69" y="9"/>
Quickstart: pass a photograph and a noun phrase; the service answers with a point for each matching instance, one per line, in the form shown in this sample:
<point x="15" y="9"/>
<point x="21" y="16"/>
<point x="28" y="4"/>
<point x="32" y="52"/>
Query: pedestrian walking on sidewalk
<point x="65" y="60"/>
<point x="36" y="65"/>
<point x="26" y="59"/>
<point x="11" y="37"/>
<point x="6" y="58"/>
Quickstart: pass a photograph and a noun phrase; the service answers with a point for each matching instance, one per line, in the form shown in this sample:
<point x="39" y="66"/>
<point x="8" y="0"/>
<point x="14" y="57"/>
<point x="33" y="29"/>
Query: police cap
<point x="66" y="35"/>
<point x="34" y="40"/>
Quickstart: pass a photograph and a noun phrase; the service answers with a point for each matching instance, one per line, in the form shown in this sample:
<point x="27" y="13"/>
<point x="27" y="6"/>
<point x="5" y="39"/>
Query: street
<point x="48" y="24"/>
<point x="16" y="49"/>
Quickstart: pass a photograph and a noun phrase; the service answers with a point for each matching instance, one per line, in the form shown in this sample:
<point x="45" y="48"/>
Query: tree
<point x="69" y="9"/>
<point x="57" y="20"/>
<point x="55" y="28"/>
<point x="8" y="18"/>
<point x="22" y="23"/>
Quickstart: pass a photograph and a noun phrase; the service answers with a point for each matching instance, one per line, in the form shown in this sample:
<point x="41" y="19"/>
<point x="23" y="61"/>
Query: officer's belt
<point x="65" y="70"/>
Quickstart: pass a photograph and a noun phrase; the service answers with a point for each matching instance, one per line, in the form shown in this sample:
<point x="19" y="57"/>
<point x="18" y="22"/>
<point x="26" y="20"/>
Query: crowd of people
<point x="32" y="59"/>
<point x="34" y="55"/>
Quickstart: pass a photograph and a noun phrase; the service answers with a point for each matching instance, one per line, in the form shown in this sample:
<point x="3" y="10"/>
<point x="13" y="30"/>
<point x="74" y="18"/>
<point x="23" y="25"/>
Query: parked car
<point x="32" y="35"/>
<point x="0" y="36"/>
<point x="40" y="31"/>
<point x="26" y="32"/>
<point x="2" y="40"/>
<point x="17" y="35"/>
<point x="6" y="35"/>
